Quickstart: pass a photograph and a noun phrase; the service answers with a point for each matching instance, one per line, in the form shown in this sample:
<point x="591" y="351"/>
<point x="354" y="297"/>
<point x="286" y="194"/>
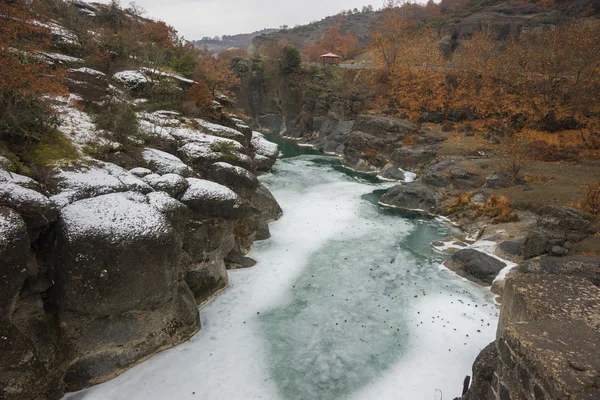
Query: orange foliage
<point x="215" y="73"/>
<point x="345" y="45"/>
<point x="24" y="78"/>
<point x="199" y="94"/>
<point x="231" y="53"/>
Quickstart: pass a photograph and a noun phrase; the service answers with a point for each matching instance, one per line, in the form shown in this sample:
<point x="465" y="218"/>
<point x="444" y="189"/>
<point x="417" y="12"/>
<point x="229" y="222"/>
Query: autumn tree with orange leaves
<point x="215" y="73"/>
<point x="393" y="32"/>
<point x="25" y="77"/>
<point x="345" y="45"/>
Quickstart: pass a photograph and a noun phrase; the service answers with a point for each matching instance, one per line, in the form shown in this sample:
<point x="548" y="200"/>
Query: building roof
<point x="331" y="55"/>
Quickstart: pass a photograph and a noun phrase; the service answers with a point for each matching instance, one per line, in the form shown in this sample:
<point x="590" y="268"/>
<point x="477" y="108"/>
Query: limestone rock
<point x="411" y="196"/>
<point x="35" y="208"/>
<point x="582" y="266"/>
<point x="210" y="199"/>
<point x="163" y="163"/>
<point x="91" y="178"/>
<point x="483" y="373"/>
<point x="173" y="184"/>
<point x="476" y="264"/>
<point x="236" y="178"/>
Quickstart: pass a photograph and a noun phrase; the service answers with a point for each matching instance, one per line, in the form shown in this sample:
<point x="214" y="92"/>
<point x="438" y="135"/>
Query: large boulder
<point x="163" y="163"/>
<point x="206" y="244"/>
<point x="269" y="209"/>
<point x="557" y="229"/>
<point x="475" y="265"/>
<point x="35" y="208"/>
<point x="412" y="196"/>
<point x="201" y="155"/>
<point x="173" y="184"/>
<point x="209" y="199"/>
<point x="446" y="174"/>
<point x="90" y="178"/>
<point x="87" y="82"/>
<point x="116" y="253"/>
<point x="414" y="158"/>
<point x="236" y="178"/>
<point x="266" y="152"/>
<point x="373" y="140"/>
<point x="117" y="285"/>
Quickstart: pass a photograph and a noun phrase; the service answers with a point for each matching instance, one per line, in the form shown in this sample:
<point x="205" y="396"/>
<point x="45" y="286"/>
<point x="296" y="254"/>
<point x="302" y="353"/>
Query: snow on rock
<point x="77" y="125"/>
<point x="202" y="155"/>
<point x="162" y="118"/>
<point x="157" y="72"/>
<point x="211" y="199"/>
<point x="162" y="163"/>
<point x="172" y="184"/>
<point x="23" y="181"/>
<point x="59" y="58"/>
<point x="61" y="34"/>
<point x="88" y="71"/>
<point x="140" y="172"/>
<point x="132" y="79"/>
<point x="69" y="184"/>
<point x="155" y="130"/>
<point x="222" y="131"/>
<point x="237" y="178"/>
<point x="263" y="147"/>
<point x="115" y="216"/>
<point x="265" y="152"/>
<point x="35" y="208"/>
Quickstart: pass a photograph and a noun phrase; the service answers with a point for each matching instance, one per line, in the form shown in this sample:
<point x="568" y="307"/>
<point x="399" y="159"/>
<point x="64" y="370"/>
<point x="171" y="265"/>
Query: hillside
<point x="240" y="41"/>
<point x="127" y="189"/>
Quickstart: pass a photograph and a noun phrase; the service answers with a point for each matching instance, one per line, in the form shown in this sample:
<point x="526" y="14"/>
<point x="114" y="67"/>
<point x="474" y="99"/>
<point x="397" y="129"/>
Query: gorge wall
<point x="104" y="263"/>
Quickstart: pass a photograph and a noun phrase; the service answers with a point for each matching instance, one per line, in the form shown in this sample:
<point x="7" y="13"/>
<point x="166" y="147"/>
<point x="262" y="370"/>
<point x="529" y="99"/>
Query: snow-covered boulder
<point x="118" y="285"/>
<point x="24" y="181"/>
<point x="236" y="178"/>
<point x="162" y="163"/>
<point x="210" y="199"/>
<point x="94" y="178"/>
<point x="172" y="184"/>
<point x="203" y="154"/>
<point x="35" y="208"/>
<point x="222" y="131"/>
<point x="140" y="172"/>
<point x="133" y="80"/>
<point x="266" y="152"/>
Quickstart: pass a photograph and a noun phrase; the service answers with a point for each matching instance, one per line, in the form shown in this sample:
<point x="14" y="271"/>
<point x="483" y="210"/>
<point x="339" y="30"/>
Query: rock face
<point x="582" y="266"/>
<point x="104" y="267"/>
<point x="475" y="265"/>
<point x="373" y="139"/>
<point x="413" y="196"/>
<point x="547" y="341"/>
<point x="503" y="19"/>
<point x="483" y="373"/>
<point x="118" y="285"/>
<point x="557" y="229"/>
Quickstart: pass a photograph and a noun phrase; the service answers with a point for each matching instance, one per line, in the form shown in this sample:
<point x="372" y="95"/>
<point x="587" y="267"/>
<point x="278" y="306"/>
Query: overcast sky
<point x="195" y="19"/>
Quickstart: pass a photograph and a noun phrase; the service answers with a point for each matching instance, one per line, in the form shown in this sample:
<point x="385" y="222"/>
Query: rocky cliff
<point x="104" y="262"/>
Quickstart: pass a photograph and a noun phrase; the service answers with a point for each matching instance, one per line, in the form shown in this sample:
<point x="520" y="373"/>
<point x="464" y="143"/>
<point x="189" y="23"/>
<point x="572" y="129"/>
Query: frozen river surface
<point x="347" y="301"/>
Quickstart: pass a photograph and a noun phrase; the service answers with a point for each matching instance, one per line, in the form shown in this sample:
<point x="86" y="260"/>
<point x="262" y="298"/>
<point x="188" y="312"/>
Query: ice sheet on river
<point x="347" y="301"/>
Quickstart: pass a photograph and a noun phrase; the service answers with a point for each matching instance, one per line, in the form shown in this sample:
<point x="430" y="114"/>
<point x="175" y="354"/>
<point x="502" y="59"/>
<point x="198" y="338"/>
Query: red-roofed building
<point x="330" y="59"/>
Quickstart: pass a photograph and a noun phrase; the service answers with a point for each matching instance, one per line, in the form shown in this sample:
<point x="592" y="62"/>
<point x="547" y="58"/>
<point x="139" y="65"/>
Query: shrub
<point x="119" y="120"/>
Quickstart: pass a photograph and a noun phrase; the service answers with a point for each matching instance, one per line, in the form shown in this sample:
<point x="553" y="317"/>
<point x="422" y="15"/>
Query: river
<point x="347" y="301"/>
